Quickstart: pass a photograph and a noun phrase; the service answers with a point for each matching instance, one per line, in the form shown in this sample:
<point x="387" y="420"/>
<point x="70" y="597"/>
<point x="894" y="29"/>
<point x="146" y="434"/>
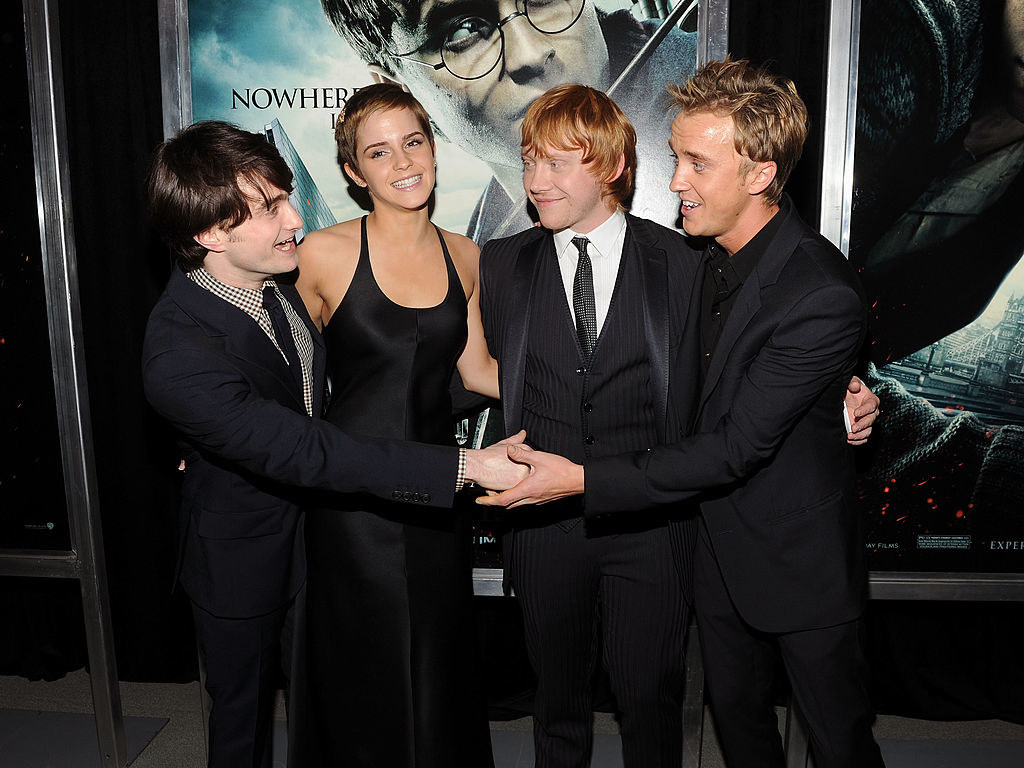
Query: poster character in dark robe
<point x="938" y="239"/>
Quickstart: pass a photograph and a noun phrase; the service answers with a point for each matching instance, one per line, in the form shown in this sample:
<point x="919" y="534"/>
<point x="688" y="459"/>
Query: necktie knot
<point x="581" y="244"/>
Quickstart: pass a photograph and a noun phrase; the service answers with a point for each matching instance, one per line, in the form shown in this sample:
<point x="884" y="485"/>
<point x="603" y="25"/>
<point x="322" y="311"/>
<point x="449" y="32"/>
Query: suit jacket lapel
<point x="652" y="261"/>
<point x="518" y="303"/>
<point x="243" y="337"/>
<point x="748" y="302"/>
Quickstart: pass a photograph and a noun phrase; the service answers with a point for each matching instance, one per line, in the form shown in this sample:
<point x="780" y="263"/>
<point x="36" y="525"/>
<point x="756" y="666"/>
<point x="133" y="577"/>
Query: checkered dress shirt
<point x="250" y="301"/>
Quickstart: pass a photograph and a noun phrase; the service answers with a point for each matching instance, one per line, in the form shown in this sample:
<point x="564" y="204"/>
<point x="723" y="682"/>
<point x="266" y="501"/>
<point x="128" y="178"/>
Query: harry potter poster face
<point x="495" y="57"/>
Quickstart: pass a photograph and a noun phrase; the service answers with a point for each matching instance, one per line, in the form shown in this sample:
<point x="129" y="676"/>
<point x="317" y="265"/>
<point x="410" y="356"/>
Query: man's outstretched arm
<point x="214" y="408"/>
<point x="811" y="347"/>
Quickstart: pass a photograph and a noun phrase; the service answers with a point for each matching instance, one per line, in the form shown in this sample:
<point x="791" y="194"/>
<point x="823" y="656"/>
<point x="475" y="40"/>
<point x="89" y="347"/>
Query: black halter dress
<point x="386" y="630"/>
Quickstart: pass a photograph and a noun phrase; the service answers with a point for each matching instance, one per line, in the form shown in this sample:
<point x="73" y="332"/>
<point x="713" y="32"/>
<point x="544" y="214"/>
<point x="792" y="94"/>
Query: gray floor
<point x="44" y="725"/>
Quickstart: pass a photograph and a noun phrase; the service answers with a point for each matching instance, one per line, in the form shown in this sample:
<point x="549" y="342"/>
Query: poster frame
<point x="836" y="215"/>
<point x="85" y="560"/>
<point x="836" y="212"/>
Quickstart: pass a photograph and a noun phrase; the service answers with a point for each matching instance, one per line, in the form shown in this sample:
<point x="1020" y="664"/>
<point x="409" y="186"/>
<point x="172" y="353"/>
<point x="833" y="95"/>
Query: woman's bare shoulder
<point x="462" y="249"/>
<point x="338" y="241"/>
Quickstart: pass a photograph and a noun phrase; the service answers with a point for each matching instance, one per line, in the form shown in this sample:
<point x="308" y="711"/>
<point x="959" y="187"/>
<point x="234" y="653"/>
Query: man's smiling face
<point x="564" y="190"/>
<point x="261" y="246"/>
<point x="711" y="176"/>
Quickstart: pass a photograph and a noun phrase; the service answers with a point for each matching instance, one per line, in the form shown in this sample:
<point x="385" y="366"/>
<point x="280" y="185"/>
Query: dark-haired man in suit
<point x="233" y="362"/>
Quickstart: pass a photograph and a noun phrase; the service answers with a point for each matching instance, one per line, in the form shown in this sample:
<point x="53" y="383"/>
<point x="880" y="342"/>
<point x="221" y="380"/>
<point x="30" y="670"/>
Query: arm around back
<point x="803" y="363"/>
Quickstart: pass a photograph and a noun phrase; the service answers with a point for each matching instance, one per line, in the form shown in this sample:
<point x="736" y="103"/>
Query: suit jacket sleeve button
<point x="396" y="495"/>
<point x="416" y="497"/>
<point x="426" y="498"/>
<point x="407" y="496"/>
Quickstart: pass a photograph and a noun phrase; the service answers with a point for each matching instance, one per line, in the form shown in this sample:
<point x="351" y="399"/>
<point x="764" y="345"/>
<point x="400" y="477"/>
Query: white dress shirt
<point x="605" y="251"/>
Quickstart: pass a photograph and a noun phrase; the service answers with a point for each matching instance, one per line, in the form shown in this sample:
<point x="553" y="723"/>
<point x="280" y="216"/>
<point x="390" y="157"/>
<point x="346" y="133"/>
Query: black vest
<point x="582" y="409"/>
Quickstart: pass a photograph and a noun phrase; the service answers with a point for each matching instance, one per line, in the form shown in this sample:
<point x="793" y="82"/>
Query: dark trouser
<point x="243" y="664"/>
<point x="623" y="589"/>
<point x="826" y="670"/>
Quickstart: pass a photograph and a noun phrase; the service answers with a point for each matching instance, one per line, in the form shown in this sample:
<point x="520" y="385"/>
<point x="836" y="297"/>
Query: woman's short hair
<point x="374" y="98"/>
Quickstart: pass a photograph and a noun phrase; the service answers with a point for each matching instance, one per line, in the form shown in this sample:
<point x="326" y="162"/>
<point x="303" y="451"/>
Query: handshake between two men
<point x="538" y="477"/>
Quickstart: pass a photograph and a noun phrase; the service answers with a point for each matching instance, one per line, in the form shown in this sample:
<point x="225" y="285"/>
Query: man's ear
<point x="619" y="167"/>
<point x="354" y="175"/>
<point x="212" y="239"/>
<point x="761" y="176"/>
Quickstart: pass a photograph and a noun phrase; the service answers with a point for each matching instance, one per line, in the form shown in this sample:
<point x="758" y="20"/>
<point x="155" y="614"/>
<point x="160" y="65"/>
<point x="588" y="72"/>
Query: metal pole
<point x="53" y="200"/>
<point x="175" y="67"/>
<point x="840" y="122"/>
<point x="712" y="31"/>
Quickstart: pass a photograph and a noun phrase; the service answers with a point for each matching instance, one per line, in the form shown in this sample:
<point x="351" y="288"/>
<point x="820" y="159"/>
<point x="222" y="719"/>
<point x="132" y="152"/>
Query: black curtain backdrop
<point x="113" y="105"/>
<point x="112" y="95"/>
<point x="789" y="38"/>
<point x="32" y="505"/>
<point x="941" y="660"/>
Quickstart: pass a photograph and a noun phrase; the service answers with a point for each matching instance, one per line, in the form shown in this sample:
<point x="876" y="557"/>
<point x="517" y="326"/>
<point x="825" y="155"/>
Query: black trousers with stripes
<point x="620" y="593"/>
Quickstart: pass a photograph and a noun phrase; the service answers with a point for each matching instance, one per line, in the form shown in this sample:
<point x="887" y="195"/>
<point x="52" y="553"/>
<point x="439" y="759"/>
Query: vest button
<point x="588" y="407"/>
<point x="588" y="440"/>
<point x="581" y="371"/>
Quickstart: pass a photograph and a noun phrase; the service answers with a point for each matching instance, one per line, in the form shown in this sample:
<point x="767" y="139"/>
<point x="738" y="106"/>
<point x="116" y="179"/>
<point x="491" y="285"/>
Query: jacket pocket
<point x="785" y="515"/>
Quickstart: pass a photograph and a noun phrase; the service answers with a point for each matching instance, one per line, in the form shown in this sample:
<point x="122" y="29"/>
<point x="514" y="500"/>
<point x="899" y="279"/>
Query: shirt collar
<point x="746" y="258"/>
<point x="602" y="239"/>
<point x="249" y="300"/>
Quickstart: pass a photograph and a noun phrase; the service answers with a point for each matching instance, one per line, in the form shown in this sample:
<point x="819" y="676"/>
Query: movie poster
<point x="288" y="67"/>
<point x="938" y="235"/>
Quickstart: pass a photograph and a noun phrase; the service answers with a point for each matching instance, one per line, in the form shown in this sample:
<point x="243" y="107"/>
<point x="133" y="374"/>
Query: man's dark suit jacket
<point x="767" y="438"/>
<point x="215" y="375"/>
<point x="509" y="269"/>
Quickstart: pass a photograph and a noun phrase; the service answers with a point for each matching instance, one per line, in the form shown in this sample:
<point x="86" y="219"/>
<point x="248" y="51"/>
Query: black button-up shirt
<point x="723" y="278"/>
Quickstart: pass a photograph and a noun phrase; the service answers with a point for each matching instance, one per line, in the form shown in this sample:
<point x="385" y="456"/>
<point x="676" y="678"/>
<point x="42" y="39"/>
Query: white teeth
<point x="690" y="205"/>
<point x="404" y="183"/>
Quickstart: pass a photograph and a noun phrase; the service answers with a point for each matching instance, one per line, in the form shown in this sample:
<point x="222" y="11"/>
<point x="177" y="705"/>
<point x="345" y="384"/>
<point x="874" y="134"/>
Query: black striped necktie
<point x="282" y="331"/>
<point x="583" y="299"/>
